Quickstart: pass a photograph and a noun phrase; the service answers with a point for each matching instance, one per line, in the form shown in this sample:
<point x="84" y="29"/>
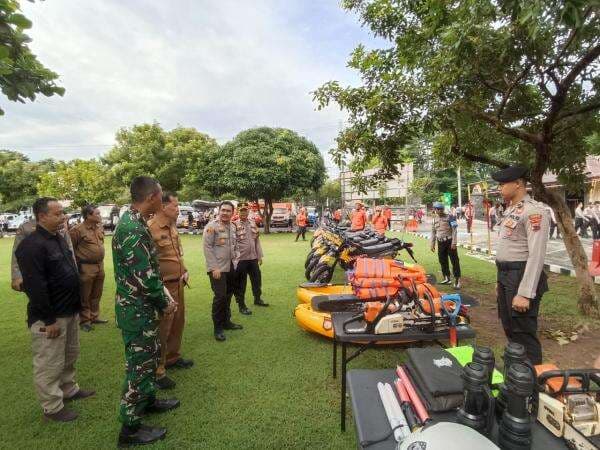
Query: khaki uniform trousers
<point x="92" y="284"/>
<point x="171" y="329"/>
<point x="54" y="363"/>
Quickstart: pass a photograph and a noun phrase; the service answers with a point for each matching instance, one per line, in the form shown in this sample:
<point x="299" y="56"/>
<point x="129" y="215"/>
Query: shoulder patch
<point x="535" y="220"/>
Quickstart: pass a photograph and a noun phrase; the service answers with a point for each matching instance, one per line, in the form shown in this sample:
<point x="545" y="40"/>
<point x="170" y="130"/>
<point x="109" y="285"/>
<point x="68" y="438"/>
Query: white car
<point x="182" y="218"/>
<point x="17" y="221"/>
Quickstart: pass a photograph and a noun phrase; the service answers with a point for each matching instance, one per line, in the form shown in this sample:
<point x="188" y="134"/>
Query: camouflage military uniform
<point x="140" y="295"/>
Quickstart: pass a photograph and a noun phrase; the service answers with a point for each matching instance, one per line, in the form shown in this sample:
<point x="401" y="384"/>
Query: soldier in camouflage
<point x="140" y="296"/>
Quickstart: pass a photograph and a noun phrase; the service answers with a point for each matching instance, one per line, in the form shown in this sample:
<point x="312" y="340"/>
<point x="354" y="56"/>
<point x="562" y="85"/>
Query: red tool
<point x="414" y="397"/>
<point x="406" y="405"/>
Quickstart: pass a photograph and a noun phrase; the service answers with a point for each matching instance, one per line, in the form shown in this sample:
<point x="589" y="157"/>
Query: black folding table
<point x="372" y="423"/>
<point x="366" y="341"/>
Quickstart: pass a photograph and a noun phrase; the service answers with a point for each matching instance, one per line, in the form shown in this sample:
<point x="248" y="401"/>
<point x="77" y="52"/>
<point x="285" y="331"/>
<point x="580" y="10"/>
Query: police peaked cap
<point x="511" y="173"/>
<point x="438" y="205"/>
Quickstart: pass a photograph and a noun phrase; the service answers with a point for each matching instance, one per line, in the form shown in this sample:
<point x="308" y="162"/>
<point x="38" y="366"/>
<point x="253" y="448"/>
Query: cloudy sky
<point x="218" y="65"/>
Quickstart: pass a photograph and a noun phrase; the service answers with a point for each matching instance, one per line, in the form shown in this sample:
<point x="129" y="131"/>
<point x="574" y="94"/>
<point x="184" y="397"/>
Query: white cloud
<point x="220" y="66"/>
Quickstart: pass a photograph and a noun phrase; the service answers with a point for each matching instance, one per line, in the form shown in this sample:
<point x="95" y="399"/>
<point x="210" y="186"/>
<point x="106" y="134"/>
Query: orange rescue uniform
<point x="380" y="223"/>
<point x="359" y="220"/>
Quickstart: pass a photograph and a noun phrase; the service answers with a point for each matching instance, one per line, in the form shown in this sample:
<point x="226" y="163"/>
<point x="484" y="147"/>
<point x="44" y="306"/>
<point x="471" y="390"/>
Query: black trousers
<point x="301" y="231"/>
<point x="520" y="327"/>
<point x="223" y="290"/>
<point x="247" y="268"/>
<point x="445" y="251"/>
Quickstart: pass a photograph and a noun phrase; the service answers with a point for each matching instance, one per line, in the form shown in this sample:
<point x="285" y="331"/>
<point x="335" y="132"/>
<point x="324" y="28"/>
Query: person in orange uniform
<point x="337" y="216"/>
<point x="379" y="221"/>
<point x="88" y="245"/>
<point x="387" y="213"/>
<point x="358" y="218"/>
<point x="301" y="223"/>
<point x="174" y="276"/>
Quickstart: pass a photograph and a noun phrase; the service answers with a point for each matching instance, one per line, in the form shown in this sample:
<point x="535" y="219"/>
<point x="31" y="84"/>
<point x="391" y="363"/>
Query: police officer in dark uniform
<point x="520" y="253"/>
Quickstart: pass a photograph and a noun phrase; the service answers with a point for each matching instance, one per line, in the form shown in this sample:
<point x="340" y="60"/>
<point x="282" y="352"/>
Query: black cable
<point x="377" y="441"/>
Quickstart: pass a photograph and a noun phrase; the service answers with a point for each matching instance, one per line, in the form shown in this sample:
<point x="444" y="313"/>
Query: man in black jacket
<point x="51" y="281"/>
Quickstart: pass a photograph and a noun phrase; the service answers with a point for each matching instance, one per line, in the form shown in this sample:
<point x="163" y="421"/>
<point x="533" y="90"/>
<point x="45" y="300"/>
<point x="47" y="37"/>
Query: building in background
<point x="394" y="190"/>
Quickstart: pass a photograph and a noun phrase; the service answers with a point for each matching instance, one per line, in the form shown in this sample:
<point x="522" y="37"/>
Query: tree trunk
<point x="587" y="302"/>
<point x="268" y="214"/>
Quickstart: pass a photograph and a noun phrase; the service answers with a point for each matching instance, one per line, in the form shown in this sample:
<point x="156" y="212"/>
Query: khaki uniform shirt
<point x="22" y="232"/>
<point x="88" y="243"/>
<point x="523" y="235"/>
<point x="444" y="228"/>
<point x="248" y="241"/>
<point x="220" y="246"/>
<point x="170" y="251"/>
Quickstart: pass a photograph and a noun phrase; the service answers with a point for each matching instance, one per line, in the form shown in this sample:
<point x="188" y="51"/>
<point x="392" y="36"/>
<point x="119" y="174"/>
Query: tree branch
<point x="563" y="88"/>
<point x="511" y="87"/>
<point x="581" y="110"/>
<point x="570" y="39"/>
<point x="488" y="84"/>
<point x="490" y="119"/>
<point x="483" y="159"/>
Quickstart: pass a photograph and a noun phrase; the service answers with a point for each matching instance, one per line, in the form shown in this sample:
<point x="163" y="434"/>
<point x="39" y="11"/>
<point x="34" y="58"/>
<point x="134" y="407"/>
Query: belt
<point x="512" y="265"/>
<point x="87" y="261"/>
<point x="444" y="239"/>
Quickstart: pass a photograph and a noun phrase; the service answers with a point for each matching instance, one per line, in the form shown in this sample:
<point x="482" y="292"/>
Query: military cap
<point x="243" y="205"/>
<point x="509" y="174"/>
<point x="438" y="205"/>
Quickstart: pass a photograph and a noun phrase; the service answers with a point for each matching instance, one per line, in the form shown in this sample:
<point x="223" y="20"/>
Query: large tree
<point x="18" y="180"/>
<point x="147" y="149"/>
<point x="262" y="163"/>
<point x="22" y="76"/>
<point x="82" y="181"/>
<point x="482" y="78"/>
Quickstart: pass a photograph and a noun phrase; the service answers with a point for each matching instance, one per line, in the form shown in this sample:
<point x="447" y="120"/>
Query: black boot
<point x="232" y="326"/>
<point x="162" y="405"/>
<point x="164" y="383"/>
<point x="140" y="435"/>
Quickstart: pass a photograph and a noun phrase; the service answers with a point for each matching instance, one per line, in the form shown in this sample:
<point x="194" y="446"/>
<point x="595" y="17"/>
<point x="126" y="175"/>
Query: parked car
<point x="110" y="216"/>
<point x="182" y="218"/>
<point x="4" y="218"/>
<point x="17" y="221"/>
<point x="74" y="219"/>
<point x="280" y="217"/>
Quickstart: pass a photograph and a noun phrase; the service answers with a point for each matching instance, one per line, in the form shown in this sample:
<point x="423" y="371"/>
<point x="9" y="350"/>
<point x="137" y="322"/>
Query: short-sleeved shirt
<point x="444" y="228"/>
<point x="170" y="252"/>
<point x="220" y="246"/>
<point x="380" y="223"/>
<point x="248" y="241"/>
<point x="88" y="242"/>
<point x="523" y="236"/>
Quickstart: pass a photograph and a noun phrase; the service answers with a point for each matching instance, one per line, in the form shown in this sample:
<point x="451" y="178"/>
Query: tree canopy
<point x="22" y="76"/>
<point x="488" y="82"/>
<point x="262" y="163"/>
<point x="168" y="156"/>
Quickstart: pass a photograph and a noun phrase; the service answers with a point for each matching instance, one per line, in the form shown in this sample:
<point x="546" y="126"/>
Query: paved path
<point x="556" y="254"/>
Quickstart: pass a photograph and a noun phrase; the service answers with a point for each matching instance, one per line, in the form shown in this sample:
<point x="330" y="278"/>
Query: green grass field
<point x="267" y="386"/>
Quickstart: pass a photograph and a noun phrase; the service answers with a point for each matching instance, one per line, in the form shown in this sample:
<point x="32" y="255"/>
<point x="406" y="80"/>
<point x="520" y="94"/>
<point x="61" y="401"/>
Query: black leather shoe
<point x="232" y="326"/>
<point x="80" y="395"/>
<point x="259" y="302"/>
<point x="165" y="383"/>
<point x="86" y="327"/>
<point x="220" y="336"/>
<point x="181" y="364"/>
<point x="162" y="405"/>
<point x="141" y="436"/>
<point x="446" y="280"/>
<point x="245" y="311"/>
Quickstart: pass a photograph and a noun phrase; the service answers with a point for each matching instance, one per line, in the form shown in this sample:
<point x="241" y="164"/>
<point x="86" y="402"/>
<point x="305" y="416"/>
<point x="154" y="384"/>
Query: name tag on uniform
<point x="510" y="223"/>
<point x="536" y="221"/>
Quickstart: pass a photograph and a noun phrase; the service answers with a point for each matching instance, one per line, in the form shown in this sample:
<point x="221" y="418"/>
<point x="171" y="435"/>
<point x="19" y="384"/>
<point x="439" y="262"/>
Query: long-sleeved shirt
<point x="22" y="232"/>
<point x="170" y="252"/>
<point x="220" y="246"/>
<point x="248" y="241"/>
<point x="140" y="291"/>
<point x="88" y="242"/>
<point x="50" y="277"/>
<point x="523" y="237"/>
